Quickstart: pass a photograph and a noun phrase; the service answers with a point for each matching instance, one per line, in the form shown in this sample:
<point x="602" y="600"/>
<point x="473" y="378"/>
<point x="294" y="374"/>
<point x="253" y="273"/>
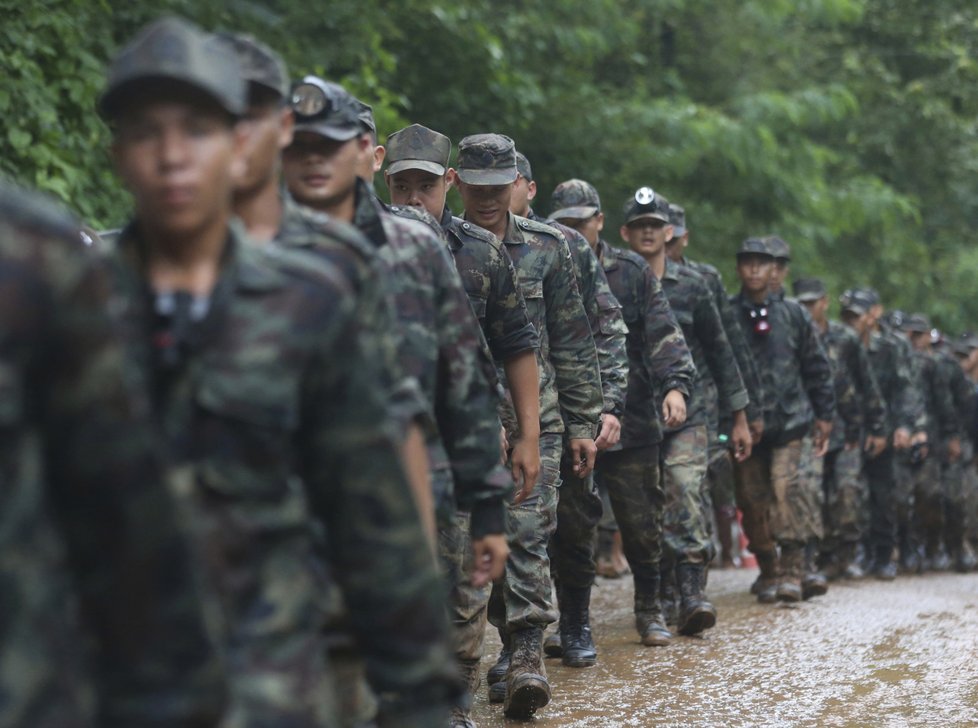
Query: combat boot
<point x="765" y="587"/>
<point x="576" y="643"/>
<point x="696" y="613"/>
<point x="649" y="620"/>
<point x="469" y="670"/>
<point x="789" y="580"/>
<point x="848" y="563"/>
<point x="497" y="673"/>
<point x="813" y="583"/>
<point x="552" y="646"/>
<point x="527" y="689"/>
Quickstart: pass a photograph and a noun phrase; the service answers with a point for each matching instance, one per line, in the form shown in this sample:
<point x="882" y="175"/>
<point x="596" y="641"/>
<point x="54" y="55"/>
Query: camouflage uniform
<point x="102" y="619"/>
<point x="957" y="475"/>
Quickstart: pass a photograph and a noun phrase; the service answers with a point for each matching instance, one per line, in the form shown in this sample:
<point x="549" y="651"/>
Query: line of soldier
<point x="264" y="434"/>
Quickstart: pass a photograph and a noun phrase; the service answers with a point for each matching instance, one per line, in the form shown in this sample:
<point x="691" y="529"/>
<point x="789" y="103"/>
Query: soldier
<point x="797" y="386"/>
<point x="943" y="436"/>
<point x="85" y="515"/>
<point x="859" y="430"/>
<point x="579" y="501"/>
<point x="570" y="403"/>
<point x="253" y="366"/>
<point x="782" y="264"/>
<point x="890" y="358"/>
<point x="658" y="362"/>
<point x="684" y="449"/>
<point x="720" y="475"/>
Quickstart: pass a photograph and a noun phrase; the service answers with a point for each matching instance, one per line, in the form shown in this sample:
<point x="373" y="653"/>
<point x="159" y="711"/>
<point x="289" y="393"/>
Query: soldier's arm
<point x="741" y="349"/>
<point x="909" y="410"/>
<point x="720" y="357"/>
<point x="948" y="425"/>
<point x="874" y="408"/>
<point x="132" y="567"/>
<point x="816" y="370"/>
<point x="508" y="327"/>
<point x="668" y="356"/>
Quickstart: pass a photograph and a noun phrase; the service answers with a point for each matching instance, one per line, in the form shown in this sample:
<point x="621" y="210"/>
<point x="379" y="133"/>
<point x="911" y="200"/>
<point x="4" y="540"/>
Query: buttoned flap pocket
<point x="531" y="289"/>
<point x="479" y="305"/>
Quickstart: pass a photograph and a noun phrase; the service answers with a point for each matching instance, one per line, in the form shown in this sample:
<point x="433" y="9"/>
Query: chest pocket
<point x="532" y="291"/>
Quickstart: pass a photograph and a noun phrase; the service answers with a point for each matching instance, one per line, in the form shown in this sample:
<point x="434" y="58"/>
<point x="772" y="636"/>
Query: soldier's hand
<point x="741" y="440"/>
<point x="674" y="408"/>
<point x="583" y="452"/>
<point x="490" y="554"/>
<point x="525" y="463"/>
<point x="823" y="428"/>
<point x="954" y="449"/>
<point x="756" y="430"/>
<point x="875" y="446"/>
<point x="610" y="432"/>
<point x="901" y="438"/>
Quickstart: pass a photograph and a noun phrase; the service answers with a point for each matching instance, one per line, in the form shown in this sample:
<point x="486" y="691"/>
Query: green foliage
<point x="846" y="126"/>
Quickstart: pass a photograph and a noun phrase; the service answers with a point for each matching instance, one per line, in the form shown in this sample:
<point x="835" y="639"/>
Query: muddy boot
<point x="789" y="579"/>
<point x="695" y="613"/>
<point x="765" y="587"/>
<point x="469" y="669"/>
<point x="813" y="582"/>
<point x="668" y="596"/>
<point x="576" y="643"/>
<point x="649" y="620"/>
<point x="497" y="673"/>
<point x="848" y="562"/>
<point x="527" y="689"/>
<point x="551" y="645"/>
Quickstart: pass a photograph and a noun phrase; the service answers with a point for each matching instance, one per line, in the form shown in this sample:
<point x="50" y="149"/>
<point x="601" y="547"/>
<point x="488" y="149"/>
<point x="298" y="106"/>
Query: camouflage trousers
<point x="954" y="480"/>
<point x="846" y="497"/>
<point x="687" y="513"/>
<point x="524" y="596"/>
<point x="635" y="491"/>
<point x="881" y="479"/>
<point x="769" y="492"/>
<point x="720" y="477"/>
<point x="466" y="603"/>
<point x="579" y="510"/>
<point x="811" y="471"/>
<point x="926" y="520"/>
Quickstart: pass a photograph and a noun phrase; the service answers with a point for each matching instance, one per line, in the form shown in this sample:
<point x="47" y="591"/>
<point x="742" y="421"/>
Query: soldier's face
<point x="417" y="188"/>
<point x="920" y="340"/>
<point x="486" y="205"/>
<point x="179" y="160"/>
<point x="589" y="227"/>
<point x="647" y="236"/>
<point x="321" y="172"/>
<point x="677" y="246"/>
<point x="779" y="271"/>
<point x="268" y="130"/>
<point x="754" y="272"/>
<point x="524" y="191"/>
<point x="818" y="309"/>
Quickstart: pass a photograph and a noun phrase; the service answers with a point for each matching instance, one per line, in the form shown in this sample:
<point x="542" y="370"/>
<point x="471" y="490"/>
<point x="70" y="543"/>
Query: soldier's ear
<point x="531" y="190"/>
<point x="451" y="178"/>
<point x="380" y="153"/>
<point x="599" y="216"/>
<point x="623" y="231"/>
<point x="286" y="128"/>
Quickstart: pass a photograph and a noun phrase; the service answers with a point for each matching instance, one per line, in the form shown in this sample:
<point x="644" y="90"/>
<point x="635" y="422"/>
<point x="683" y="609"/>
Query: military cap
<point x="418" y="147"/>
<point x="856" y="300"/>
<point x="677" y="218"/>
<point x="917" y="323"/>
<point x="366" y="115"/>
<point x="895" y="318"/>
<point x="646" y="203"/>
<point x="574" y="199"/>
<point x="174" y="51"/>
<point x="260" y="66"/>
<point x="871" y="295"/>
<point x="326" y="108"/>
<point x="809" y="289"/>
<point x="523" y="167"/>
<point x="487" y="159"/>
<point x="778" y="247"/>
<point x="964" y="344"/>
<point x="754" y="246"/>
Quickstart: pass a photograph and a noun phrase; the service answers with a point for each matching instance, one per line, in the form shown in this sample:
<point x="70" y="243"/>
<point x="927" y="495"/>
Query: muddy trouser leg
<point x="685" y="523"/>
<point x="572" y="546"/>
<point x="755" y="498"/>
<point x="881" y="476"/>
<point x="811" y="500"/>
<point x="953" y="475"/>
<point x="632" y="479"/>
<point x="790" y="518"/>
<point x="928" y="520"/>
<point x="845" y="496"/>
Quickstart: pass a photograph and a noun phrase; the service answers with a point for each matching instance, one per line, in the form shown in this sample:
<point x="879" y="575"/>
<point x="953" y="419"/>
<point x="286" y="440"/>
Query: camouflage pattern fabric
<point x="102" y="623"/>
<point x="846" y="497"/>
<point x="812" y="501"/>
<point x="769" y="494"/>
<point x="686" y="524"/>
<point x="868" y="414"/>
<point x="935" y="390"/>
<point x="243" y="428"/>
<point x="890" y="358"/>
<point x="579" y="510"/>
<point x="467" y="603"/>
<point x="720" y="478"/>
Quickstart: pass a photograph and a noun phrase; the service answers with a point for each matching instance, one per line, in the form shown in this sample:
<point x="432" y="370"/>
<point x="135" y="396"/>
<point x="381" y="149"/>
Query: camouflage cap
<point x="260" y="66"/>
<point x="326" y="108"/>
<point x="895" y="318"/>
<point x="418" y="147"/>
<point x="677" y="218"/>
<point x="917" y="323"/>
<point x="856" y="300"/>
<point x="754" y="246"/>
<point x="366" y="115"/>
<point x="574" y="199"/>
<point x="778" y="247"/>
<point x="965" y="343"/>
<point x="523" y="167"/>
<point x="174" y="51"/>
<point x="487" y="159"/>
<point x="646" y="203"/>
<point x="871" y="295"/>
<point x="809" y="289"/>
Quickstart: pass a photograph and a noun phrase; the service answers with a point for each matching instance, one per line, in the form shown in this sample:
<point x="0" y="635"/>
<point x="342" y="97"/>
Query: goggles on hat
<point x="309" y="100"/>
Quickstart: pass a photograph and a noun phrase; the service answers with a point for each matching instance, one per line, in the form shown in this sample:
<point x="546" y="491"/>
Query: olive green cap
<point x="574" y="199"/>
<point x="487" y="159"/>
<point x="418" y="147"/>
<point x="754" y="246"/>
<point x="917" y="323"/>
<point x="523" y="167"/>
<point x="809" y="289"/>
<point x="261" y="67"/>
<point x="174" y="51"/>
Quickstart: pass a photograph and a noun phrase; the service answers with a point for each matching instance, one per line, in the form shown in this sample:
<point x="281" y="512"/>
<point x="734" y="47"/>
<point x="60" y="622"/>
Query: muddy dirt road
<point x="869" y="653"/>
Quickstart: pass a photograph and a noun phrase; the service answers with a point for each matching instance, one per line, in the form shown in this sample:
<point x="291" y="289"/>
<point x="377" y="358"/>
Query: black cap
<point x="326" y="108"/>
<point x="261" y="67"/>
<point x="856" y="300"/>
<point x="677" y="217"/>
<point x="917" y="323"/>
<point x="779" y="248"/>
<point x="754" y="246"/>
<point x="809" y="289"/>
<point x="646" y="203"/>
<point x="523" y="167"/>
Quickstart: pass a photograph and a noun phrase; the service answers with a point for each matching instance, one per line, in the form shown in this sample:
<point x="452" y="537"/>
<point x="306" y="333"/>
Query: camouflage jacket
<point x="441" y="345"/>
<point x="962" y="390"/>
<point x="692" y="305"/>
<point x="796" y="377"/>
<point x="489" y="279"/>
<point x="858" y="399"/>
<point x="735" y="335"/>
<point x="271" y="414"/>
<point x="102" y="621"/>
<point x="570" y="380"/>
<point x="603" y="314"/>
<point x="658" y="359"/>
<point x="891" y="359"/>
<point x="935" y="389"/>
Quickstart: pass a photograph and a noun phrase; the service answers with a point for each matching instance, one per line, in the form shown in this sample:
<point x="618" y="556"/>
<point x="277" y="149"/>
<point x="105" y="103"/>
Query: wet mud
<point x="869" y="653"/>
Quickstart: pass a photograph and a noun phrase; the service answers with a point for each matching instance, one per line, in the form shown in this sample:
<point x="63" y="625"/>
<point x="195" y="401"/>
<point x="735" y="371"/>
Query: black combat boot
<point x="789" y="579"/>
<point x="527" y="689"/>
<point x="461" y="718"/>
<point x="765" y="587"/>
<point x="695" y="613"/>
<point x="848" y="563"/>
<point x="813" y="582"/>
<point x="576" y="643"/>
<point x="883" y="568"/>
<point x="649" y="620"/>
<point x="496" y="676"/>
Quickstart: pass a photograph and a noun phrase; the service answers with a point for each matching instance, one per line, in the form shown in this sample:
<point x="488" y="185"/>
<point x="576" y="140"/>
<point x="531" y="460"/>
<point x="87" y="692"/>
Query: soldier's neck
<point x="261" y="211"/>
<point x="188" y="261"/>
<point x="657" y="262"/>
